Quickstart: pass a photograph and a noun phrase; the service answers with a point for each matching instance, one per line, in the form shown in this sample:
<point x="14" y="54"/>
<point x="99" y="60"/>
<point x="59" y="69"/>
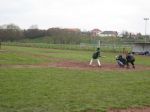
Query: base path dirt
<point x="105" y="66"/>
<point x="144" y="109"/>
<point x="69" y="64"/>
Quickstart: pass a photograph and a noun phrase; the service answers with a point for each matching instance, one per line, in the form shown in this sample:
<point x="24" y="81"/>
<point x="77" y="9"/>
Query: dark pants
<point x="132" y="63"/>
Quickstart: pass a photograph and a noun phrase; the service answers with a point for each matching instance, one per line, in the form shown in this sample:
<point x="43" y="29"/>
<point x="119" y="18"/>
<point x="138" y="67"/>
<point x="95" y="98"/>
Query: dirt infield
<point x="105" y="66"/>
<point x="69" y="64"/>
<point x="144" y="109"/>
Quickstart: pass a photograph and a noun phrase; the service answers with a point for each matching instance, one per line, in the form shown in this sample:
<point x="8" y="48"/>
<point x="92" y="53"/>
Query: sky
<point x="115" y="15"/>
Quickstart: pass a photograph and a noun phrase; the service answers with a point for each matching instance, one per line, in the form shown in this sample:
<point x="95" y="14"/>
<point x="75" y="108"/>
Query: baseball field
<point x="58" y="80"/>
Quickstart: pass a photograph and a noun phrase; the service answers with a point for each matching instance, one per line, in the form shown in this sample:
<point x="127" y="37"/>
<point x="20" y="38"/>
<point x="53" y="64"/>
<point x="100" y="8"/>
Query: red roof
<point x="96" y="30"/>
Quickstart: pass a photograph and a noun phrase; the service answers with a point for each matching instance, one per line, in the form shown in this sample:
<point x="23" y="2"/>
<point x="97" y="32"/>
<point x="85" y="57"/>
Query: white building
<point x="109" y="34"/>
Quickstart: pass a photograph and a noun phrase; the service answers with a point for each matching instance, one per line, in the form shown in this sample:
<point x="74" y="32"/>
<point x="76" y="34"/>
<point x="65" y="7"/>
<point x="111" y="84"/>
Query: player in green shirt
<point x="96" y="56"/>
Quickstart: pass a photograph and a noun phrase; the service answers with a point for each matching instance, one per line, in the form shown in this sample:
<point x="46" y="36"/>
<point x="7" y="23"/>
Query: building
<point x="141" y="48"/>
<point x="96" y="32"/>
<point x="109" y="34"/>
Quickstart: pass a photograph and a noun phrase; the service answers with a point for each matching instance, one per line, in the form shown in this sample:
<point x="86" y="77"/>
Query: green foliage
<point x="34" y="33"/>
<point x="12" y="32"/>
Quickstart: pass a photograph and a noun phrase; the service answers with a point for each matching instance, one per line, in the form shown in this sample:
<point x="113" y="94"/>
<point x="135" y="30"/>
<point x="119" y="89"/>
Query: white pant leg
<point x="99" y="64"/>
<point x="119" y="63"/>
<point x="91" y="62"/>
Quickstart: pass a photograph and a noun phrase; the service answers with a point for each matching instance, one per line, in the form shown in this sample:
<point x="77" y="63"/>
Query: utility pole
<point x="145" y="19"/>
<point x="99" y="43"/>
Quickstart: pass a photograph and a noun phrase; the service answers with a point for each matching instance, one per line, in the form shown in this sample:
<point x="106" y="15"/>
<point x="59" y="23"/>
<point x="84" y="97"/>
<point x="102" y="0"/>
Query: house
<point x="141" y="48"/>
<point x="109" y="34"/>
<point x="96" y="32"/>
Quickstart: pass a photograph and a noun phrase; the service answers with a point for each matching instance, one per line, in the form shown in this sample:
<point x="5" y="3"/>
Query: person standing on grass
<point x="96" y="56"/>
<point x="130" y="59"/>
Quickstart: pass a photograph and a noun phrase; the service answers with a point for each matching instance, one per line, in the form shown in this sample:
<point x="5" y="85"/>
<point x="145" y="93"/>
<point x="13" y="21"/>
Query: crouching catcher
<point x="121" y="61"/>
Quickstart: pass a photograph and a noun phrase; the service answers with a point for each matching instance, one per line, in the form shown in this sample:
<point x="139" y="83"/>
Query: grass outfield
<point x="29" y="55"/>
<point x="65" y="90"/>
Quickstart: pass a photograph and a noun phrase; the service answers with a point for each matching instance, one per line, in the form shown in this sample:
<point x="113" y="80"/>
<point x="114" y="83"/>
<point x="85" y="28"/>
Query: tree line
<point x="12" y="32"/>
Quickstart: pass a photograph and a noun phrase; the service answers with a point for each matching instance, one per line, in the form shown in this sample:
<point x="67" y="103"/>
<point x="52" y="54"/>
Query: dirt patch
<point x="105" y="66"/>
<point x="144" y="109"/>
<point x="79" y="65"/>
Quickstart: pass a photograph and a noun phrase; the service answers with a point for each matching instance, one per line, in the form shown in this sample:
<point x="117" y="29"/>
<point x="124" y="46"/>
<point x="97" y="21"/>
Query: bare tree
<point x="10" y="32"/>
<point x="33" y="27"/>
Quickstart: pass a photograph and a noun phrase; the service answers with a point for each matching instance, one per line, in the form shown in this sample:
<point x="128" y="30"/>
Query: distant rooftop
<point x="109" y="32"/>
<point x="96" y="30"/>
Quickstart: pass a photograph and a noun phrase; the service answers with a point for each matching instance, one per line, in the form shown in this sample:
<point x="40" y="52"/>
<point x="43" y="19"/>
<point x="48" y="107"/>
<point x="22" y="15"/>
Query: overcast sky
<point x="114" y="15"/>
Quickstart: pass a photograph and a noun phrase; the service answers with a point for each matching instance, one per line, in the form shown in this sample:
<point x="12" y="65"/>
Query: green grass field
<point x="55" y="89"/>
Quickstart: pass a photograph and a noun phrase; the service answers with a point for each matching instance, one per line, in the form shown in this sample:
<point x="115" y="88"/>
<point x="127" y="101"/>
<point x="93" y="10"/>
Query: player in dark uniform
<point x="121" y="61"/>
<point x="130" y="59"/>
<point x="96" y="56"/>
